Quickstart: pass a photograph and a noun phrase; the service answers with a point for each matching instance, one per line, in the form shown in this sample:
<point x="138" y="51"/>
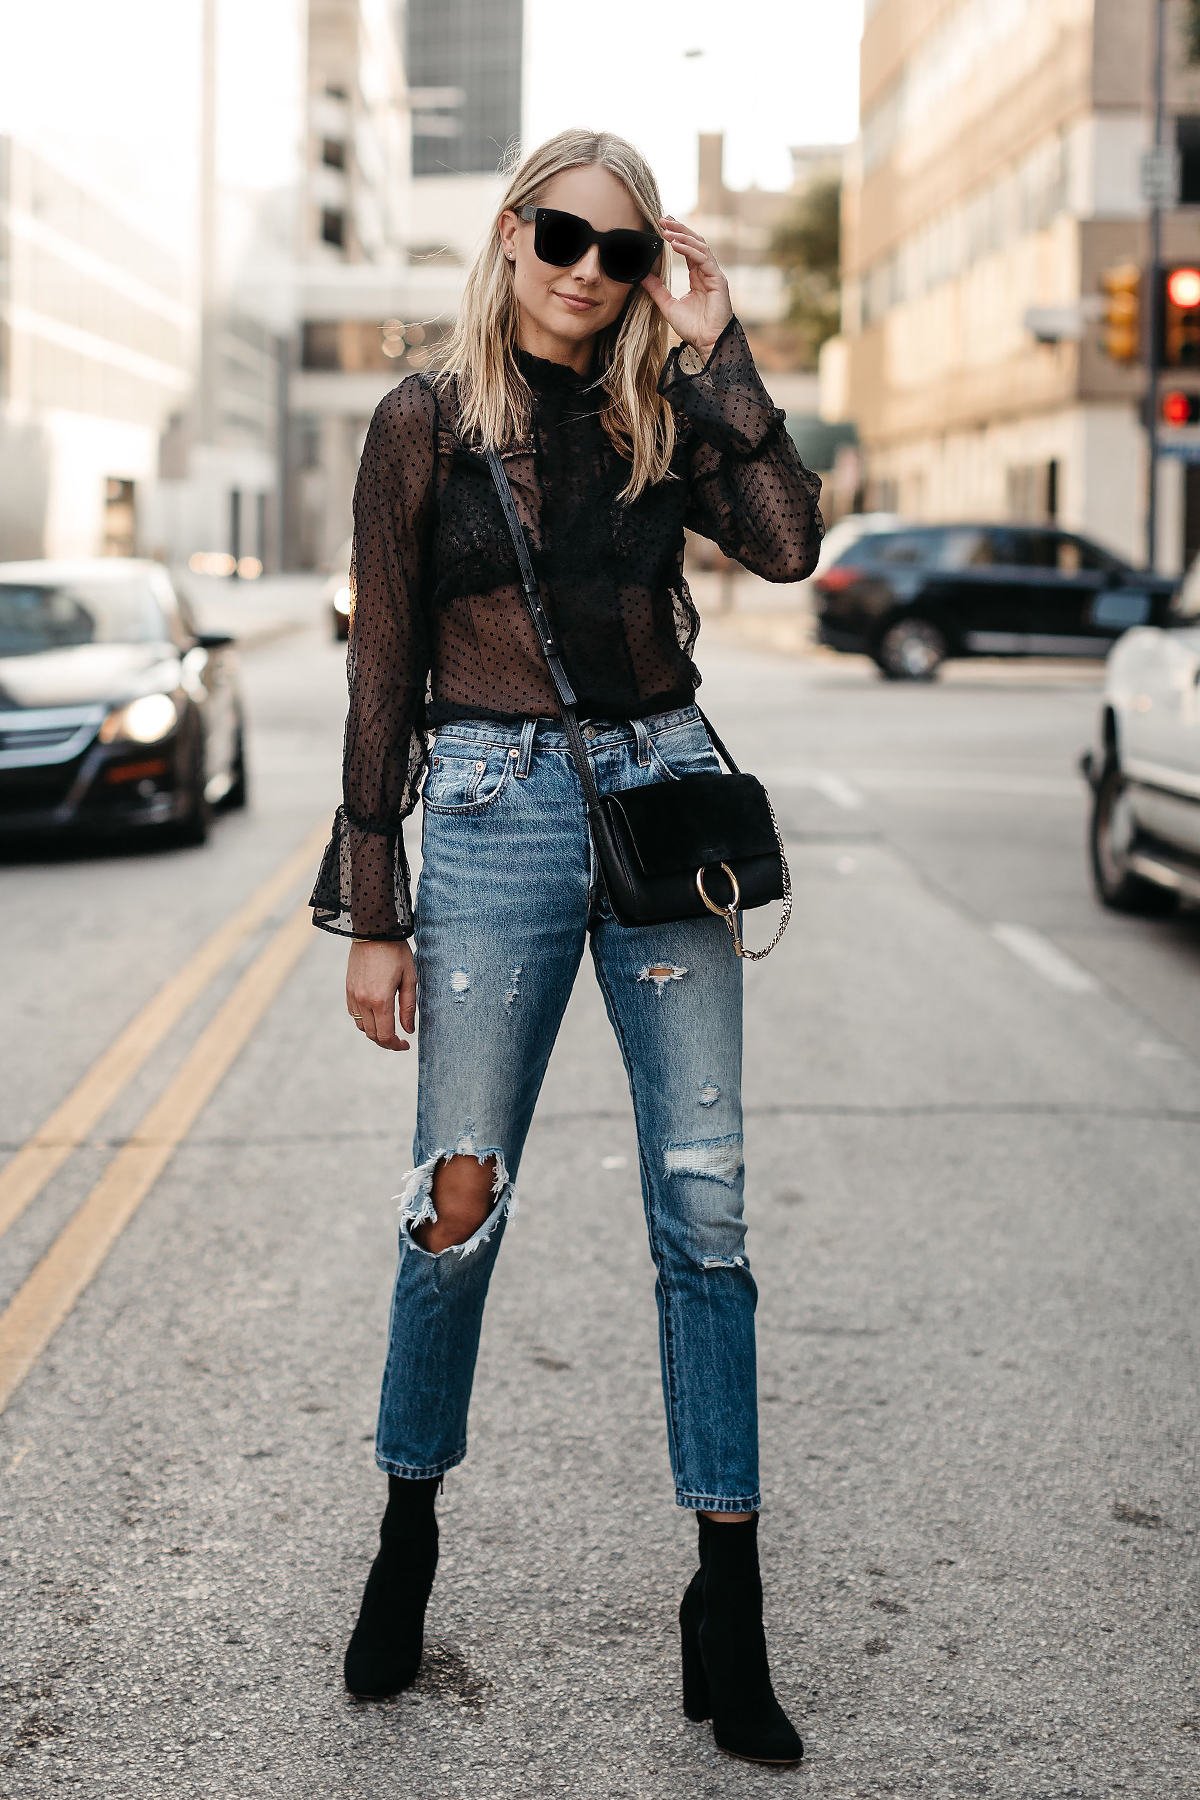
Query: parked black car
<point x="913" y="597"/>
<point x="116" y="711"/>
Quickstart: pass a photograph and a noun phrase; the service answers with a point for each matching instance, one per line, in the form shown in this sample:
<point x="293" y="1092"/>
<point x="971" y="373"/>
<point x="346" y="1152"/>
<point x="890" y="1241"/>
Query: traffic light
<point x="1180" y="317"/>
<point x="1121" y="337"/>
<point x="1180" y="409"/>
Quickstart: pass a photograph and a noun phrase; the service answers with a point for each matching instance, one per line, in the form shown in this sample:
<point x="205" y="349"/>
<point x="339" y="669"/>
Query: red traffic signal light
<point x="1180" y="409"/>
<point x="1178" y="322"/>
<point x="1183" y="288"/>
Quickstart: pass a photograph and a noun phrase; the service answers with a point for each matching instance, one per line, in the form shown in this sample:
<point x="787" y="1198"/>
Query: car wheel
<point x="238" y="792"/>
<point x="1114" y="831"/>
<point x="911" y="650"/>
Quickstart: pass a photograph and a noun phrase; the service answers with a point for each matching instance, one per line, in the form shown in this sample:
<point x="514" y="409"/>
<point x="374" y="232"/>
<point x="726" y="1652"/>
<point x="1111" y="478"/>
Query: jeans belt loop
<point x="528" y="731"/>
<point x="643" y="742"/>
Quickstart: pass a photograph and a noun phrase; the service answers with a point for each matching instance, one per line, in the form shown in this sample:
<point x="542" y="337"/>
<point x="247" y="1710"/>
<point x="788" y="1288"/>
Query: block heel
<point x="696" y="1702"/>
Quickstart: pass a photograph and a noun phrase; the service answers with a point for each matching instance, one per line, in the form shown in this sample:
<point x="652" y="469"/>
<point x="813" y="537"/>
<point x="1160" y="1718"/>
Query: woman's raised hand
<point x="700" y="315"/>
<point x="378" y="974"/>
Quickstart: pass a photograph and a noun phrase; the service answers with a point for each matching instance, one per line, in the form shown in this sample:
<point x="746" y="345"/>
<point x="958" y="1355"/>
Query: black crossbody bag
<point x="673" y="849"/>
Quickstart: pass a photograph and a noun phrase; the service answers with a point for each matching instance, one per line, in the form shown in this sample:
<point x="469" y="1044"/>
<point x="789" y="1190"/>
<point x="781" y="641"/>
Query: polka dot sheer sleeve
<point x="747" y="488"/>
<point x="363" y="888"/>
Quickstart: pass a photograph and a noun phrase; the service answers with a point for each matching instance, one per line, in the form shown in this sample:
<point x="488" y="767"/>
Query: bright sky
<point x="116" y="86"/>
<point x="772" y="73"/>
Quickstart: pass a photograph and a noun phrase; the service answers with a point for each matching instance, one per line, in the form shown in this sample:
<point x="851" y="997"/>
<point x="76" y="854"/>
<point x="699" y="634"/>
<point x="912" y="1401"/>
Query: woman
<point x="611" y="447"/>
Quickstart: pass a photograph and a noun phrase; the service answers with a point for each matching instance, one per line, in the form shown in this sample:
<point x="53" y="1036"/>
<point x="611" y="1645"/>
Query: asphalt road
<point x="972" y="1189"/>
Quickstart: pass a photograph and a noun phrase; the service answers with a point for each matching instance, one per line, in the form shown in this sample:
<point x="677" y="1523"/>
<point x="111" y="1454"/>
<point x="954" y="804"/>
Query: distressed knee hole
<point x="455" y="1200"/>
<point x="712" y="1159"/>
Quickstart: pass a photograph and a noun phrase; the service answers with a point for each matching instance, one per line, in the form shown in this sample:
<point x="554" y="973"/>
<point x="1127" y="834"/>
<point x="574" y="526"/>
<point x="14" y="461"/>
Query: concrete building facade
<point x="96" y="348"/>
<point x="997" y="171"/>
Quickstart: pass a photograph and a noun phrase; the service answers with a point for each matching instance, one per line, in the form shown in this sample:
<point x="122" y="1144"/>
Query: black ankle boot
<point x="725" y="1673"/>
<point x="384" y="1652"/>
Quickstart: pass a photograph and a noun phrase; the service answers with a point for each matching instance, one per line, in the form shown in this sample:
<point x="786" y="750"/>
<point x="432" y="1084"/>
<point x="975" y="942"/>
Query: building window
<point x="333" y="153"/>
<point x="1187" y="136"/>
<point x="319" y="348"/>
<point x="119" y="532"/>
<point x="333" y="228"/>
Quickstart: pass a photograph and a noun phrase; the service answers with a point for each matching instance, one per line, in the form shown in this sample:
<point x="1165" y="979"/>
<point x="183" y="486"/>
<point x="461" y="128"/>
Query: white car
<point x="1145" y="767"/>
<point x="848" y="530"/>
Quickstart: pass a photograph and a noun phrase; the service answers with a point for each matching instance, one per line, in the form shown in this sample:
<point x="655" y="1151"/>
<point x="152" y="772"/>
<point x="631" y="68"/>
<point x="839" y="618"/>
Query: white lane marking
<point x="837" y="790"/>
<point x="929" y="781"/>
<point x="1045" y="958"/>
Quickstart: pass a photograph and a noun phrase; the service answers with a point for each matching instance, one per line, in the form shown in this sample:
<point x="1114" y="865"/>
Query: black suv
<point x="912" y="597"/>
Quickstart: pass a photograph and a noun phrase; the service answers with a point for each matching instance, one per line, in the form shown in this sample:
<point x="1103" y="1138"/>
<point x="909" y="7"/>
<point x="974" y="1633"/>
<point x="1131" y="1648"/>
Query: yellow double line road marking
<point x="25" y="1175"/>
<point x="47" y="1296"/>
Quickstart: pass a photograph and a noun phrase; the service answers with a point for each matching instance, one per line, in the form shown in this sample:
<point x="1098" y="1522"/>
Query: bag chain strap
<point x="784" y="918"/>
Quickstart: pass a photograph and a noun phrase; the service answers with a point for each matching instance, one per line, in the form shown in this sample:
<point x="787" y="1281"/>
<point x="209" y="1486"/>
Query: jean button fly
<point x="589" y="731"/>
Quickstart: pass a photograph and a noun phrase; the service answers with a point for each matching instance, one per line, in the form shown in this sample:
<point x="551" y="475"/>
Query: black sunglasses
<point x="563" y="239"/>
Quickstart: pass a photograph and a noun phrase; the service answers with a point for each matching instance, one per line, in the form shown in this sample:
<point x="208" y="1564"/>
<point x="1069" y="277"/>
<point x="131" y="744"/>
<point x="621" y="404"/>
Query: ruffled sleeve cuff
<point x="723" y="400"/>
<point x="363" y="889"/>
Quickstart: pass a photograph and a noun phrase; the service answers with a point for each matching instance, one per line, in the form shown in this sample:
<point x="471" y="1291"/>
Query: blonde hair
<point x="495" y="402"/>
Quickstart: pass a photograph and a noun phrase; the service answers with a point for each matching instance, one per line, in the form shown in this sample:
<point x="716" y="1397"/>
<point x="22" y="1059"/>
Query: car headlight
<point x="143" y="721"/>
<point x="341" y="602"/>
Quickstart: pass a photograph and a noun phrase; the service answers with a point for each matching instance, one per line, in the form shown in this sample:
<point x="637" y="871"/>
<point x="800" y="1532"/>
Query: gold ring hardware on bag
<point x="722" y="912"/>
<point x="728" y="913"/>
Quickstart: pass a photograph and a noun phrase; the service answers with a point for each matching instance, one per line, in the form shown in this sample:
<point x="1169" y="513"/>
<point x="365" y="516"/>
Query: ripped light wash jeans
<point x="509" y="891"/>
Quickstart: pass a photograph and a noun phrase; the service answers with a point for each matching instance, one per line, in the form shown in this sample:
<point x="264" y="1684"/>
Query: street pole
<point x="207" y="383"/>
<point x="1155" y="284"/>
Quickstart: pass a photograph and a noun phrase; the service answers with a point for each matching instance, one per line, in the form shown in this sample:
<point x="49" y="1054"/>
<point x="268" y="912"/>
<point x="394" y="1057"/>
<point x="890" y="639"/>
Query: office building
<point x="95" y="353"/>
<point x="411" y="110"/>
<point x="463" y="59"/>
<point x="995" y="178"/>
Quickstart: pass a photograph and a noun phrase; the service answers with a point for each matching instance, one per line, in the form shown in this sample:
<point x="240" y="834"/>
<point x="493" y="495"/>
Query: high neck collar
<point x="546" y="377"/>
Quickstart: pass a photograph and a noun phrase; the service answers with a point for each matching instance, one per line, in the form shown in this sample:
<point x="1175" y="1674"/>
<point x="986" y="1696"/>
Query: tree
<point x="1192" y="31"/>
<point x="807" y="247"/>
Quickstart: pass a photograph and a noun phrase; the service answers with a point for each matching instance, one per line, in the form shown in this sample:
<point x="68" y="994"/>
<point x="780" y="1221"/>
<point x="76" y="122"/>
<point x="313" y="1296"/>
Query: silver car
<point x="1144" y="768"/>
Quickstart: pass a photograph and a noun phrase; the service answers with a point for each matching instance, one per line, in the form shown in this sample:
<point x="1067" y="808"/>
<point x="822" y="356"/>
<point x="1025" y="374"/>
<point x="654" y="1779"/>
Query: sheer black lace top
<point x="439" y="628"/>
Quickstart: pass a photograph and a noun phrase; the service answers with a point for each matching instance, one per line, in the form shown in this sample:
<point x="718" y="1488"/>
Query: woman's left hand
<point x="700" y="315"/>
